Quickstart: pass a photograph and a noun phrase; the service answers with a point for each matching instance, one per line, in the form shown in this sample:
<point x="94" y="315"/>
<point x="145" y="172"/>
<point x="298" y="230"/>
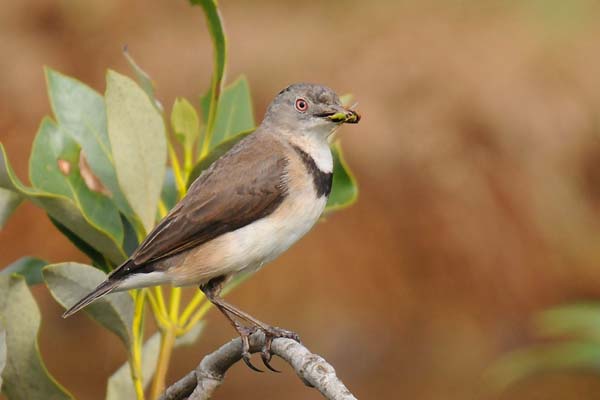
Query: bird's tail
<point x="102" y="289"/>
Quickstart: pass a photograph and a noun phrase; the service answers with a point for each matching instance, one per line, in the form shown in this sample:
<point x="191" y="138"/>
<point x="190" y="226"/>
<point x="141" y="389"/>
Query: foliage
<point x="98" y="168"/>
<point x="28" y="267"/>
<point x="24" y="376"/>
<point x="569" y="339"/>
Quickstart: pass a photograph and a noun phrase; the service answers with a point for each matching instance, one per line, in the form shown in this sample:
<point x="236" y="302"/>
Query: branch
<point x="312" y="369"/>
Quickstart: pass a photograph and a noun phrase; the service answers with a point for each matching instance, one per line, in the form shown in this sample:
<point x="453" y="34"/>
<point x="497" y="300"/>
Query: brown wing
<point x="242" y="186"/>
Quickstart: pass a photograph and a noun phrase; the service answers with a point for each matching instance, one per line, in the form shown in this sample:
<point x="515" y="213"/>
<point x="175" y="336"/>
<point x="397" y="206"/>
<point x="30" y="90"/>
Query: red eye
<point x="301" y="105"/>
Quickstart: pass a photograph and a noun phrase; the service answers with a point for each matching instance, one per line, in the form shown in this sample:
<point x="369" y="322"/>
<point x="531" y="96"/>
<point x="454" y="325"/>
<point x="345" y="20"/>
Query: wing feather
<point x="245" y="184"/>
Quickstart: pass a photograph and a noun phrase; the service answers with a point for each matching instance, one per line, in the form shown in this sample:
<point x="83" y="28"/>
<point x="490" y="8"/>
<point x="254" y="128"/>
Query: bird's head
<point x="307" y="107"/>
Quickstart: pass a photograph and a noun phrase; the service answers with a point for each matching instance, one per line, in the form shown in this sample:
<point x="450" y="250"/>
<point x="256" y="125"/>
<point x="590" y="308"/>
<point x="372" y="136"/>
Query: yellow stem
<point x="205" y="143"/>
<point x="210" y="124"/>
<point x="135" y="363"/>
<point x="167" y="342"/>
<point x="160" y="299"/>
<point x="179" y="181"/>
<point x="161" y="317"/>
<point x="191" y="307"/>
<point x="197" y="317"/>
<point x="162" y="209"/>
<point x="174" y="304"/>
<point x="169" y="330"/>
<point x="188" y="161"/>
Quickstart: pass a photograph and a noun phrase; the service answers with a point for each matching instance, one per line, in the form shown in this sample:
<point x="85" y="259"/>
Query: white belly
<point x="244" y="250"/>
<point x="247" y="249"/>
<point x="258" y="243"/>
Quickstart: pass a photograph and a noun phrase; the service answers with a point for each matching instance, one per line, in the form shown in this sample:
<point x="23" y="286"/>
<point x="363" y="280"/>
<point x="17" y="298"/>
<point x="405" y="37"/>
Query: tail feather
<point x="102" y="289"/>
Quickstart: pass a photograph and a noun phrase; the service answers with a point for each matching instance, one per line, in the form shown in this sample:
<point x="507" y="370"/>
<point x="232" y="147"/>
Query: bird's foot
<point x="245" y="333"/>
<point x="271" y="332"/>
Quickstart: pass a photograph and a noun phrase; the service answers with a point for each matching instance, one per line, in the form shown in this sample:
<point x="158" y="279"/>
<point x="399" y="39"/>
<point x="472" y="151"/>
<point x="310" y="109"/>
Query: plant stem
<point x="160" y="299"/>
<point x="162" y="319"/>
<point x="174" y="304"/>
<point x="136" y="345"/>
<point x="210" y="124"/>
<point x="188" y="161"/>
<point x="137" y="380"/>
<point x="162" y="209"/>
<point x="196" y="318"/>
<point x="191" y="307"/>
<point x="179" y="181"/>
<point x="215" y="27"/>
<point x="167" y="341"/>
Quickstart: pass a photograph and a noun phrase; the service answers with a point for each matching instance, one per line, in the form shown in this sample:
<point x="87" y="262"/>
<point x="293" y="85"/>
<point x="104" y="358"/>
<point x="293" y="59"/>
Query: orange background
<point x="478" y="158"/>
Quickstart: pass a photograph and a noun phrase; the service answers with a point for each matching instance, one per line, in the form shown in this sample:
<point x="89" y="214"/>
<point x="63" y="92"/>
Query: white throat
<point x="315" y="145"/>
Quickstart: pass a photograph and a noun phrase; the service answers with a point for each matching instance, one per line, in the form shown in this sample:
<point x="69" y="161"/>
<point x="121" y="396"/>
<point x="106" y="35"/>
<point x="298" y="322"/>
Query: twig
<point x="312" y="369"/>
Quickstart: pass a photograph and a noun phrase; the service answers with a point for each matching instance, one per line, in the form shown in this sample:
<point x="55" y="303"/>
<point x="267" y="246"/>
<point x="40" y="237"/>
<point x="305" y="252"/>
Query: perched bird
<point x="247" y="208"/>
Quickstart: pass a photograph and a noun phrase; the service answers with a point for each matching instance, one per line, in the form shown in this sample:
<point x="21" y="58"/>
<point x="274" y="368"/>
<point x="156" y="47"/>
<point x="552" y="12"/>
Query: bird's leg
<point x="244" y="332"/>
<point x="212" y="290"/>
<point x="271" y="332"/>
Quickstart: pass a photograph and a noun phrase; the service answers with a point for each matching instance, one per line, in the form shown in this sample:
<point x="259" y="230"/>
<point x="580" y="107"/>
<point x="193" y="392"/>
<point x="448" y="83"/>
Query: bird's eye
<point x="301" y="105"/>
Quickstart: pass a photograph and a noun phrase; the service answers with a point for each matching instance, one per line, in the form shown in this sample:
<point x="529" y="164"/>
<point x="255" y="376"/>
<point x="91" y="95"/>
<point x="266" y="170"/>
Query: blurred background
<point x="478" y="159"/>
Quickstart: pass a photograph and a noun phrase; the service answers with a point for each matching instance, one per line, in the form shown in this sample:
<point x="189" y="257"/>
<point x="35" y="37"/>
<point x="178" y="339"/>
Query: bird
<point x="247" y="208"/>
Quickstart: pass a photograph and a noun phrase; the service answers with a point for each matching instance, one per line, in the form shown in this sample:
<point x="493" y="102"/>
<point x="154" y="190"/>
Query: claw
<point x="265" y="353"/>
<point x="271" y="332"/>
<point x="246" y="358"/>
<point x="246" y="352"/>
<point x="266" y="362"/>
<point x="212" y="289"/>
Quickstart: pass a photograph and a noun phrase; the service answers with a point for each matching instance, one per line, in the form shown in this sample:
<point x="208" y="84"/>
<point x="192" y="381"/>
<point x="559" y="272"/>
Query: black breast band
<point x="322" y="180"/>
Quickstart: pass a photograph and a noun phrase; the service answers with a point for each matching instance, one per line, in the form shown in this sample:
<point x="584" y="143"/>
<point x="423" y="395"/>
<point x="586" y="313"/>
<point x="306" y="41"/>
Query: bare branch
<point x="312" y="369"/>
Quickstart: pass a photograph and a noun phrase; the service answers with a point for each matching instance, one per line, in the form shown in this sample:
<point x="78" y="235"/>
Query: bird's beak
<point x="342" y="115"/>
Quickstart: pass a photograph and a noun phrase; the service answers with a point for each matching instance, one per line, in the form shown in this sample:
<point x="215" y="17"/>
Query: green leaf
<point x="142" y="78"/>
<point x="54" y="167"/>
<point x="28" y="267"/>
<point x="25" y="376"/>
<point x="169" y="190"/>
<point x="2" y="354"/>
<point x="234" y="113"/>
<point x="217" y="34"/>
<point x="215" y="153"/>
<point x="185" y="123"/>
<point x="63" y="210"/>
<point x="120" y="386"/>
<point x="579" y="320"/>
<point x="9" y="201"/>
<point x="80" y="111"/>
<point x="137" y="137"/>
<point x="130" y="243"/>
<point x="344" y="190"/>
<point x="521" y="364"/>
<point x="97" y="259"/>
<point x="69" y="282"/>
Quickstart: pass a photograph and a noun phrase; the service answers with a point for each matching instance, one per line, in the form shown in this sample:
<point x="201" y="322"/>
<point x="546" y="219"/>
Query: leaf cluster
<point x="105" y="168"/>
<point x="568" y="338"/>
